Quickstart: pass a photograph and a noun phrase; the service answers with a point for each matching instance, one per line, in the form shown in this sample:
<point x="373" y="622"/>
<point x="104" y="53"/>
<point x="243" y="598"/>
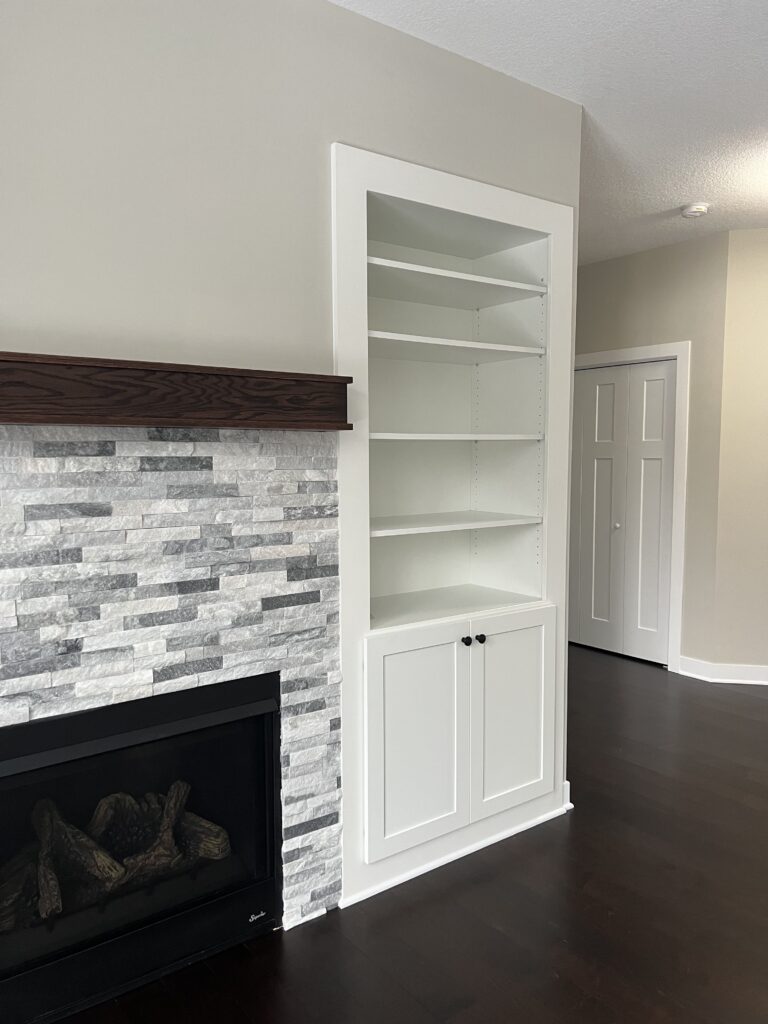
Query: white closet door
<point x="600" y="403"/>
<point x="650" y="455"/>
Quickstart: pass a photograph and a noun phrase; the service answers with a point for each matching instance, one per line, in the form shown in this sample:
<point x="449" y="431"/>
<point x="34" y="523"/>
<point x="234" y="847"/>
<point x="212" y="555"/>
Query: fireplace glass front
<point x="93" y="847"/>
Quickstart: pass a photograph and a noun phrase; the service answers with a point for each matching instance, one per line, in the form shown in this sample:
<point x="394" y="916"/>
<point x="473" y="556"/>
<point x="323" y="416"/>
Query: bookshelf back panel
<point x="505" y="559"/>
<point x="402" y="565"/>
<point x="414" y="477"/>
<point x="409" y="397"/>
<point x="508" y="559"/>
<point x="509" y="323"/>
<point x="497" y="398"/>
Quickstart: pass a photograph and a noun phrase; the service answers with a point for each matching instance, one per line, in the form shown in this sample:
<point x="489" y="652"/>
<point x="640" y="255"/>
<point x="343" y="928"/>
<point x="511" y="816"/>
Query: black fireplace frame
<point x="78" y="979"/>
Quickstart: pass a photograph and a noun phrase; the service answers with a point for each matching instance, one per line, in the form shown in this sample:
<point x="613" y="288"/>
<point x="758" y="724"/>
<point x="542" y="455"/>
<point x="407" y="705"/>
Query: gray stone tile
<point x="179" y="643"/>
<point x="68" y="510"/>
<point x="312" y="512"/>
<point x="305" y="827"/>
<point x="40" y="556"/>
<point x="317" y="486"/>
<point x="53" y="449"/>
<point x="255" y="540"/>
<point x="165" y="463"/>
<point x="287" y="600"/>
<point x="160" y="618"/>
<point x="162" y="675"/>
<point x="212" y="490"/>
<point x="183" y="433"/>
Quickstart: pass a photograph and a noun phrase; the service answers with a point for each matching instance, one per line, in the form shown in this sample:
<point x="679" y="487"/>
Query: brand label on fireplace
<point x="257" y="917"/>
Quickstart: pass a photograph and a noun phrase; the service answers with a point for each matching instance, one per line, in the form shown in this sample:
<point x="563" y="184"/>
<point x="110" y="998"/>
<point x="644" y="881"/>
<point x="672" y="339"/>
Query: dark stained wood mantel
<point x="120" y="392"/>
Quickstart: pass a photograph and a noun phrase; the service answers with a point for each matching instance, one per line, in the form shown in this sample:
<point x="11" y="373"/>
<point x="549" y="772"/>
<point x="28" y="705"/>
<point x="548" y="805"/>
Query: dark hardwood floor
<point x="648" y="903"/>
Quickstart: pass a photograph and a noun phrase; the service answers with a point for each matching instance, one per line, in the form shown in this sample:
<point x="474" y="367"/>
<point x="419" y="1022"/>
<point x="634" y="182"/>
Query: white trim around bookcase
<point x="680" y="351"/>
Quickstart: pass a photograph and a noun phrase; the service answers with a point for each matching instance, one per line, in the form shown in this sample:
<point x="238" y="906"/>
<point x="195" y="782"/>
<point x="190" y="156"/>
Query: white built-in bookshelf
<point x="453" y="314"/>
<point x="457" y="341"/>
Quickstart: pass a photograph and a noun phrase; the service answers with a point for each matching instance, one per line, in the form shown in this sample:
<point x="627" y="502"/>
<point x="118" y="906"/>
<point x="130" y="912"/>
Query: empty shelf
<point x="445" y="602"/>
<point x="445" y="522"/>
<point x="411" y="282"/>
<point x="386" y="345"/>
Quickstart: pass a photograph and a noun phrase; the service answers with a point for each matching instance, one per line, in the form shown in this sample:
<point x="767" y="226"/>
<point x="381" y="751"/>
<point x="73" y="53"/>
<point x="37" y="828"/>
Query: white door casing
<point x="512" y="709"/>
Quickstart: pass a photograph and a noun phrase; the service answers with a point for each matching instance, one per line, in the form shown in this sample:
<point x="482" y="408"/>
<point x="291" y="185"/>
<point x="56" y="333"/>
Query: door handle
<point x="481" y="638"/>
<point x="617" y="526"/>
<point x="467" y="641"/>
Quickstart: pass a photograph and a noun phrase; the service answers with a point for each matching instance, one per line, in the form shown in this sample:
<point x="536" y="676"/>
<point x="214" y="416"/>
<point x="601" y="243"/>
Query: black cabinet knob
<point x="480" y="638"/>
<point x="467" y="641"/>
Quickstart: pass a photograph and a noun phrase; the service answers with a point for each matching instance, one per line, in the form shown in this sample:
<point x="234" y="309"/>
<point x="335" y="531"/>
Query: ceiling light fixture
<point x="695" y="210"/>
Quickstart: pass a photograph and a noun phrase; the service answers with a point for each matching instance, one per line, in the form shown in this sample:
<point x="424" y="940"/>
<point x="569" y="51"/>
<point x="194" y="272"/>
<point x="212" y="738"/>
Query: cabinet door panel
<point x="513" y="685"/>
<point x="417" y="737"/>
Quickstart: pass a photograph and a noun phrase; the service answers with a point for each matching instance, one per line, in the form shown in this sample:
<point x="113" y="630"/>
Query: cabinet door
<point x="416" y="736"/>
<point x="513" y="709"/>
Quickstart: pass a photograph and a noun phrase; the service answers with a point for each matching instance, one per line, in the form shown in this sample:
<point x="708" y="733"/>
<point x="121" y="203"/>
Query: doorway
<point x="622" y="507"/>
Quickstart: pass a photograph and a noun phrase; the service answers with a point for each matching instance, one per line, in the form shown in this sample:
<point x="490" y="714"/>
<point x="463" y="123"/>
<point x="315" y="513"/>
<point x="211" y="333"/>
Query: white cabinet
<point x="456" y="730"/>
<point x="417" y="707"/>
<point x="512" y="710"/>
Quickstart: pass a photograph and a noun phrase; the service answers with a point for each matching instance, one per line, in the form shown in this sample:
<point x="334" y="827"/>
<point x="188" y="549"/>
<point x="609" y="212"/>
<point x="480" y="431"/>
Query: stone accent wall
<point x="138" y="561"/>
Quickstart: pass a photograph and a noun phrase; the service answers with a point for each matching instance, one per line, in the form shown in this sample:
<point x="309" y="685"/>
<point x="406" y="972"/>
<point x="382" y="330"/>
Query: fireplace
<point x="135" y="837"/>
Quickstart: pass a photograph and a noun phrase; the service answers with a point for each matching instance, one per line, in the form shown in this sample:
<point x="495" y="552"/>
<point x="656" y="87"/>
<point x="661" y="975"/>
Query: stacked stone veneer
<point x="138" y="561"/>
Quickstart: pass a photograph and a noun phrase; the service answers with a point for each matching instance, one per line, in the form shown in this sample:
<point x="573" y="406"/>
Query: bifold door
<point x="624" y="423"/>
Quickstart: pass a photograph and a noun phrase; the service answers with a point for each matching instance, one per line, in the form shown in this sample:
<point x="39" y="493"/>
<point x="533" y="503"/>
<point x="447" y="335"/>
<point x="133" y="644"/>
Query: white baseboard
<point x="567" y="795"/>
<point x="390" y="883"/>
<point x="717" y="672"/>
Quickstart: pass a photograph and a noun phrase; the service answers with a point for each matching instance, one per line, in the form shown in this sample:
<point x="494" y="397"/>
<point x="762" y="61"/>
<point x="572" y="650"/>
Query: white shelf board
<point x="421" y="349"/>
<point x="446" y="522"/>
<point x="443" y="603"/>
<point x="411" y="282"/>
<point x="379" y="436"/>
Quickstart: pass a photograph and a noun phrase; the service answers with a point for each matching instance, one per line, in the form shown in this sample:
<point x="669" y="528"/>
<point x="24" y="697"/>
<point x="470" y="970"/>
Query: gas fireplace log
<point x="163" y="855"/>
<point x="70" y="859"/>
<point x="127" y="843"/>
<point x="18" y="890"/>
<point x="49" y="898"/>
<point x="123" y="826"/>
<point x="199" y="838"/>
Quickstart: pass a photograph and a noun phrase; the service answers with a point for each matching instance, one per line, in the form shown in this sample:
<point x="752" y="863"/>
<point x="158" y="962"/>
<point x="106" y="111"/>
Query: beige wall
<point x="676" y="293"/>
<point x="742" y="536"/>
<point x="166" y="171"/>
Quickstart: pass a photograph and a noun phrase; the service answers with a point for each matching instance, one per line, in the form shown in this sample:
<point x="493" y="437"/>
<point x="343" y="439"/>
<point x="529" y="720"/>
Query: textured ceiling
<point x="675" y="96"/>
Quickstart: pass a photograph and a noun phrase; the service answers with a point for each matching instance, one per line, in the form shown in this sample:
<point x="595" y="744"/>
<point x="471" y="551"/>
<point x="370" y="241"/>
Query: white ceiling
<point x="675" y="96"/>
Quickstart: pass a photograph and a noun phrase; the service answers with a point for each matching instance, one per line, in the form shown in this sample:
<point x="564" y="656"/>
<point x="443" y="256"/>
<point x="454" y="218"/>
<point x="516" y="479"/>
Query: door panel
<point x="513" y="680"/>
<point x="417" y="736"/>
<point x="600" y="413"/>
<point x="650" y="462"/>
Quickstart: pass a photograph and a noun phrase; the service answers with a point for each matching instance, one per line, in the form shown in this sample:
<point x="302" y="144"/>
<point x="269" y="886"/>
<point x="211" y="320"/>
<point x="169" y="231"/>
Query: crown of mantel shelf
<point x="114" y="392"/>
